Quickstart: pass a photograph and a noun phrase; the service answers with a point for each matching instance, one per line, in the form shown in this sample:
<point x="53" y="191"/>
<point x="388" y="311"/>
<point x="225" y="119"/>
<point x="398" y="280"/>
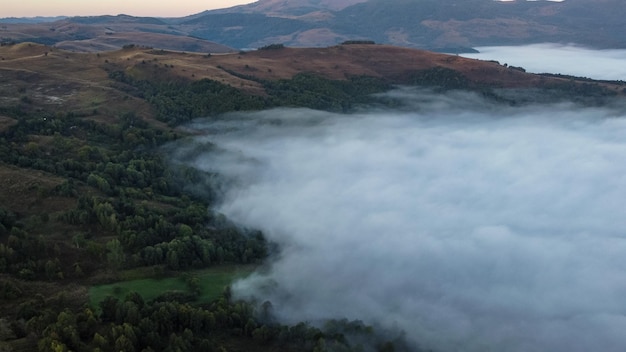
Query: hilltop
<point x="106" y="84"/>
<point x="30" y="63"/>
<point x="106" y="33"/>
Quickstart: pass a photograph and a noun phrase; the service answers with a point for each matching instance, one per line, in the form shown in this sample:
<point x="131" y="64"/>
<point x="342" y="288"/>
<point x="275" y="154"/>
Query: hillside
<point x="39" y="69"/>
<point x="434" y="24"/>
<point x="91" y="203"/>
<point x="292" y="7"/>
<point x="105" y="33"/>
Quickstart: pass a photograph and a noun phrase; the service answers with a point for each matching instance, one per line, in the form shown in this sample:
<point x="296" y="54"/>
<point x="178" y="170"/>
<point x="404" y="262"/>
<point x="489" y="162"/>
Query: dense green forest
<point x="109" y="206"/>
<point x="177" y="102"/>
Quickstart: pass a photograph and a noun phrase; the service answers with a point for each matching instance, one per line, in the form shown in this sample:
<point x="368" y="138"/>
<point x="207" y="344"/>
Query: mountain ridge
<point x="447" y="23"/>
<point x="439" y="25"/>
<point x="247" y="70"/>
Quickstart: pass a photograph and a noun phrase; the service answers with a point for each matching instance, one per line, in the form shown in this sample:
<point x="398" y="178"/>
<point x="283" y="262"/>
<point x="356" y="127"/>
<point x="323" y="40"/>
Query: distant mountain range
<point x="441" y="25"/>
<point x="432" y="24"/>
<point x="38" y="19"/>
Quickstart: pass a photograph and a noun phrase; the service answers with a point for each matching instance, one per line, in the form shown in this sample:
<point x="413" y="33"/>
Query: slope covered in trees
<point x="89" y="197"/>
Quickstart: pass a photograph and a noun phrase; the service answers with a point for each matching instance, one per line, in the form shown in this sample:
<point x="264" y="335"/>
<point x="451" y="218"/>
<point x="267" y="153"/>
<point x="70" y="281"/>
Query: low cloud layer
<point x="468" y="226"/>
<point x="563" y="59"/>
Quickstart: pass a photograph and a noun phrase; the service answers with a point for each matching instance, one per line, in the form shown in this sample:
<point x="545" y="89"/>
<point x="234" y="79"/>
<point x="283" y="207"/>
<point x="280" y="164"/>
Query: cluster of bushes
<point x="441" y="77"/>
<point x="178" y="102"/>
<point x="313" y="91"/>
<point x="354" y="42"/>
<point x="272" y="47"/>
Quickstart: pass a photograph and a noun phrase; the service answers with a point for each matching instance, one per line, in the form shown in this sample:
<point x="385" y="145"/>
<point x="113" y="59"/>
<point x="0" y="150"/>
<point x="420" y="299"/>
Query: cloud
<point x="555" y="58"/>
<point x="471" y="227"/>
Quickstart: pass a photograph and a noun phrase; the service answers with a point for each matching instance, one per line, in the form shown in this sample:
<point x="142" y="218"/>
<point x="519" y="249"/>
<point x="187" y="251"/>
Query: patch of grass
<point x="211" y="284"/>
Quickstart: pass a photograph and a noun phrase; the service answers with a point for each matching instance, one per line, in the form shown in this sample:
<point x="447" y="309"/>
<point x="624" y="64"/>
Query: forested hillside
<point x="92" y="207"/>
<point x="90" y="204"/>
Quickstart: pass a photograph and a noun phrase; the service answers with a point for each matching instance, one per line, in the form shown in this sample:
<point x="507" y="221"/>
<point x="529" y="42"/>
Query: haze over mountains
<point x="446" y="25"/>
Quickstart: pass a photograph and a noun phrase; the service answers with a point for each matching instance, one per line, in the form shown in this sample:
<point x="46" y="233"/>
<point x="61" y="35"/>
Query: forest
<point x="106" y="206"/>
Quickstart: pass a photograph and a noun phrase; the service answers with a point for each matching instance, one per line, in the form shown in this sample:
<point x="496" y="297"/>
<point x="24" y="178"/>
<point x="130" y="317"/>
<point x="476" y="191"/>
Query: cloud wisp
<point x="563" y="59"/>
<point x="469" y="227"/>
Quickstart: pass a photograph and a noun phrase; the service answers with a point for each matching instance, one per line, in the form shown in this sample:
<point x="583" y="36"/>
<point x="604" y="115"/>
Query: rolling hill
<point x="90" y="199"/>
<point x="58" y="77"/>
<point x="440" y="25"/>
<point x="103" y="33"/>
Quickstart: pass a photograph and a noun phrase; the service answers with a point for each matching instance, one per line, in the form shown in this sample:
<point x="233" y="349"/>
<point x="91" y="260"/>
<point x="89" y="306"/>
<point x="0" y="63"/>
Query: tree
<point x="115" y="255"/>
<point x="99" y="183"/>
<point x="52" y="269"/>
<point x="106" y="216"/>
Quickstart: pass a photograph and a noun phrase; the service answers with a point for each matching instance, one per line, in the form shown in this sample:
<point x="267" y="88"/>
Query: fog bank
<point x="471" y="227"/>
<point x="564" y="59"/>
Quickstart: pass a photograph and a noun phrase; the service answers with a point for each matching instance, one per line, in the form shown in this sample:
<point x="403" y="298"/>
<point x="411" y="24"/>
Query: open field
<point x="211" y="284"/>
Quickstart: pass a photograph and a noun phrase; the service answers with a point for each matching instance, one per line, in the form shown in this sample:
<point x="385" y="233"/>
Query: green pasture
<point x="211" y="283"/>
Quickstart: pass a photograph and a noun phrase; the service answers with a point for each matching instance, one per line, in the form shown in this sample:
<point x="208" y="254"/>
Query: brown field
<point x="56" y="80"/>
<point x="25" y="191"/>
<point x="116" y="40"/>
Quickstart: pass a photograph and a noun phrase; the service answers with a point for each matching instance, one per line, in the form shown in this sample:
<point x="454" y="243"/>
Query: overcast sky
<point x="32" y="8"/>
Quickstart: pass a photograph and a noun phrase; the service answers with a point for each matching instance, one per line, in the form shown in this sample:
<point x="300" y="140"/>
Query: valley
<point x="100" y="196"/>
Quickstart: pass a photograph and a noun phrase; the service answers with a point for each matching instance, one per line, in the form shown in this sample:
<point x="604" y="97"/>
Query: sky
<point x="32" y="8"/>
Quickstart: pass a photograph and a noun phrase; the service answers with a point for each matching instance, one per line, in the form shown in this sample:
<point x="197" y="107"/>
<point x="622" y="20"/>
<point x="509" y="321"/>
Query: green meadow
<point x="210" y="284"/>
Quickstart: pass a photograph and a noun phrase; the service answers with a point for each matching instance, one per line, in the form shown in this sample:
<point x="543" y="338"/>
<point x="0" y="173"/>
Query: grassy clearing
<point x="211" y="282"/>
